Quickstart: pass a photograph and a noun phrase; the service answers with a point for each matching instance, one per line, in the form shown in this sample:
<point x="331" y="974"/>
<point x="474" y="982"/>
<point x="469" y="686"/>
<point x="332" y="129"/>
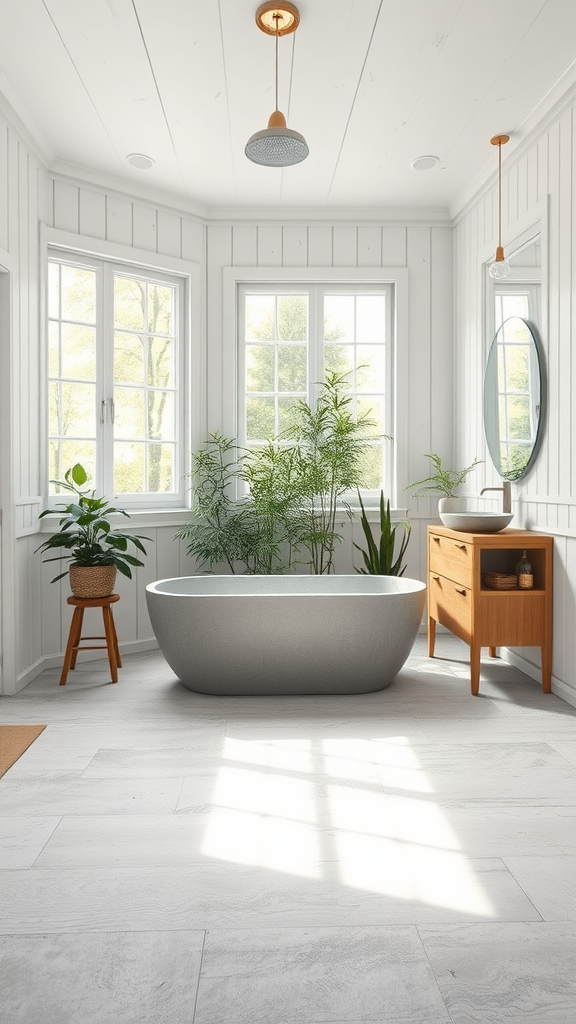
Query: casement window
<point x="115" y="374"/>
<point x="291" y="335"/>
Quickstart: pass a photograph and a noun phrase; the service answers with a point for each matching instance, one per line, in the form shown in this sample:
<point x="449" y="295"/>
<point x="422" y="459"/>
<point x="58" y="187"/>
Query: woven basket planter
<point x="91" y="581"/>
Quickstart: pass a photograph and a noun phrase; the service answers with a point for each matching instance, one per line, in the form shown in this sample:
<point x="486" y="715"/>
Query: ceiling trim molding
<point x="99" y="181"/>
<point x="22" y="121"/>
<point x="557" y="100"/>
<point x="247" y="215"/>
<point x="252" y="215"/>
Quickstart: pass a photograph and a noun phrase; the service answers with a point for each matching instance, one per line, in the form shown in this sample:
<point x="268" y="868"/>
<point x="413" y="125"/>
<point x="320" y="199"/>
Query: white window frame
<point x="342" y="278"/>
<point x="192" y="360"/>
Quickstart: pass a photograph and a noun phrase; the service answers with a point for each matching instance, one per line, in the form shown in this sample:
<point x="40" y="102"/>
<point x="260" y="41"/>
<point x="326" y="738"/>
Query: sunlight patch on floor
<point x="423" y="874"/>
<point x="392" y="763"/>
<point x="272" y="842"/>
<point x="361" y="807"/>
<point x="292" y="755"/>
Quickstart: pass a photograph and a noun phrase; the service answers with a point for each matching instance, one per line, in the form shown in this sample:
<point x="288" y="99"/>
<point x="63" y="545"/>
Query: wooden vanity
<point x="459" y="599"/>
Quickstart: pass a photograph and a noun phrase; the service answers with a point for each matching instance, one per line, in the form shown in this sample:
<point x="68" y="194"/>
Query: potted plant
<point x="442" y="481"/>
<point x="295" y="487"/>
<point x="379" y="559"/>
<point x="96" y="551"/>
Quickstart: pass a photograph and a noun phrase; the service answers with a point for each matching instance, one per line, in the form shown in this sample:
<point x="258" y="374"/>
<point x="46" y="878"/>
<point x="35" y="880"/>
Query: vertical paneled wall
<point x="136" y="225"/>
<point x="23" y="195"/>
<point x="544" y="174"/>
<point x="30" y="197"/>
<point x="425" y="250"/>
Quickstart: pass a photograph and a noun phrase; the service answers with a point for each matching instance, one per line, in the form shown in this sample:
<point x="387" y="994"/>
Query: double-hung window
<point x="292" y="335"/>
<point x="115" y="369"/>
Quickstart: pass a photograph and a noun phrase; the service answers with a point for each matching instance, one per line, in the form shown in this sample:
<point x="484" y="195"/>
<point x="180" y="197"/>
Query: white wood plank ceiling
<point x="371" y="84"/>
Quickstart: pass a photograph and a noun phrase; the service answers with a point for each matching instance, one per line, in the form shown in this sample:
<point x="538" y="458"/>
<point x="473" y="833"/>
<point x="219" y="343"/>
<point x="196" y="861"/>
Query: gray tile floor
<point x="402" y="857"/>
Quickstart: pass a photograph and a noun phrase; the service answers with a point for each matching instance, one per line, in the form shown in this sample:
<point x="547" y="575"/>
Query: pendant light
<point x="277" y="145"/>
<point x="500" y="268"/>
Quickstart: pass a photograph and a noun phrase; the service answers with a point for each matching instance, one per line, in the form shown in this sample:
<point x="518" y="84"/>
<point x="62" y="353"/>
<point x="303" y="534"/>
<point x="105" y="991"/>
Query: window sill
<point x="177" y="517"/>
<point x="151" y="518"/>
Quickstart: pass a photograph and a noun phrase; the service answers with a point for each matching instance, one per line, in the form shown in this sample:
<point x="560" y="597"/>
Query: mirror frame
<point x="493" y="359"/>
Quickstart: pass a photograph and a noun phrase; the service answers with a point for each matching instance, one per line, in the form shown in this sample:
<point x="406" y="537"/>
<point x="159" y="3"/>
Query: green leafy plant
<point x="85" y="530"/>
<point x="330" y="443"/>
<point x="379" y="559"/>
<point x="247" y="534"/>
<point x="442" y="481"/>
<point x="295" y="486"/>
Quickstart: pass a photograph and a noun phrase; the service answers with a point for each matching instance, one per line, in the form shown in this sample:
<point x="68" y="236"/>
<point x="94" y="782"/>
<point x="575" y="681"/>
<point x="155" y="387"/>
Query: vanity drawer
<point x="451" y="558"/>
<point x="450" y="604"/>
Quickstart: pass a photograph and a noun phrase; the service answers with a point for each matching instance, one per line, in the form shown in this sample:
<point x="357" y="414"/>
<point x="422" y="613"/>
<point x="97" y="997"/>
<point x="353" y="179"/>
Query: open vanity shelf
<point x="461" y="601"/>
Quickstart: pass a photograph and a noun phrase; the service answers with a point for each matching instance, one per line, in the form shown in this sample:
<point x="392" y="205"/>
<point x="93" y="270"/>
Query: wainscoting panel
<point x="544" y="171"/>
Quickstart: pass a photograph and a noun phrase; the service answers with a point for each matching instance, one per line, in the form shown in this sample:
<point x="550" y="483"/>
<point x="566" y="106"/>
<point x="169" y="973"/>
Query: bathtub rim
<point x="404" y="586"/>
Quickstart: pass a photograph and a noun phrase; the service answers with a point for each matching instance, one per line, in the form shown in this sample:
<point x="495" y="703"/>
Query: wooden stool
<point x="111" y="645"/>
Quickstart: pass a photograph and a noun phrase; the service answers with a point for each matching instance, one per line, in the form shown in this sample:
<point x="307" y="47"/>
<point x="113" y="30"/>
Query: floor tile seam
<point x="194" y="1008"/>
<point x="537" y="856"/>
<point x="434" y="975"/>
<point x="569" y="762"/>
<point x="49" y="838"/>
<point x="98" y="931"/>
<point x="122" y="813"/>
<point x="522" y="888"/>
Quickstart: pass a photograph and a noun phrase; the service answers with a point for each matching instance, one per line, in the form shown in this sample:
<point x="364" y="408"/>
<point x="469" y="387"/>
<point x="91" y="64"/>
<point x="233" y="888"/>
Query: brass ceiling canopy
<point x="277" y="19"/>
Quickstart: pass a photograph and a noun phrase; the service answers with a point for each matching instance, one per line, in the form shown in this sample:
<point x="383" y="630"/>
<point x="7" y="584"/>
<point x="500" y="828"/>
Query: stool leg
<point x="116" y="648"/>
<point x="73" y="637"/>
<point x="109" y="631"/>
<point x="77" y="636"/>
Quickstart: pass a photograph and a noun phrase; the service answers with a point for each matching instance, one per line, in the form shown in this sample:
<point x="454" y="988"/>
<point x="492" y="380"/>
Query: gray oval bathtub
<point x="247" y="635"/>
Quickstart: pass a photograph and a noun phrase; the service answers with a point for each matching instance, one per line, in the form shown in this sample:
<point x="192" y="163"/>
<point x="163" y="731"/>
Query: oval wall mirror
<point x="514" y="397"/>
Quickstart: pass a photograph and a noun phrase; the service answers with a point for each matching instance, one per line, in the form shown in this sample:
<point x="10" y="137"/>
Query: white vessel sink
<point x="477" y="522"/>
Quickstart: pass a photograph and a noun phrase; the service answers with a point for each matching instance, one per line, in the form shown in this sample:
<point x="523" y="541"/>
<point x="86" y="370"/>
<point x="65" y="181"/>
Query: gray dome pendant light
<point x="277" y="145"/>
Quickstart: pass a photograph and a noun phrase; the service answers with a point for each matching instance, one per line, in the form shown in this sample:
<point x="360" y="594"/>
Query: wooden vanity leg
<point x="474" y="669"/>
<point x="431" y="636"/>
<point x="492" y="652"/>
<point x="546" y="668"/>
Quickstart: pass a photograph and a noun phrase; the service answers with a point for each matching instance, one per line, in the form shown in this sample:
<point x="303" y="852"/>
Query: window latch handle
<point x="112" y="410"/>
<point x="103" y="411"/>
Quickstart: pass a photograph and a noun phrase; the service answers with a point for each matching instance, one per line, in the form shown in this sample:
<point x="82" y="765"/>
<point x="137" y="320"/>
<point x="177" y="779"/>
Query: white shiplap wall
<point x="542" y="177"/>
<point x="35" y="615"/>
<point x="426" y="251"/>
<point x="23" y="203"/>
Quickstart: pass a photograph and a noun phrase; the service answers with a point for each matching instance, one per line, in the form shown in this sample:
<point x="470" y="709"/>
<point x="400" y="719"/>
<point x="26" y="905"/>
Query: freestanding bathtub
<point x="233" y="635"/>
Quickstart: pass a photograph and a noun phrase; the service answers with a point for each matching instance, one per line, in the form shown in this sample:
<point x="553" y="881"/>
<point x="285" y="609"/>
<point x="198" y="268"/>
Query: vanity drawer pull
<point x="462" y="547"/>
<point x="463" y="592"/>
<point x="437" y="539"/>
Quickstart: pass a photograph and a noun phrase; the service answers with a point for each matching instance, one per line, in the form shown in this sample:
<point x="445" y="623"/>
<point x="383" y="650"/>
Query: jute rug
<point x="14" y="740"/>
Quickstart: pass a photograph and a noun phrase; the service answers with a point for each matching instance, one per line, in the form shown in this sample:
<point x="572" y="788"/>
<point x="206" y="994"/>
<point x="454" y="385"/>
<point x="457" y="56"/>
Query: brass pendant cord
<point x="276" y="17"/>
<point x="499" y="195"/>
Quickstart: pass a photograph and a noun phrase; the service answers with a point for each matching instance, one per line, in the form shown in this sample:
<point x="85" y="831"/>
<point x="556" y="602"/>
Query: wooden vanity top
<point x="503" y="539"/>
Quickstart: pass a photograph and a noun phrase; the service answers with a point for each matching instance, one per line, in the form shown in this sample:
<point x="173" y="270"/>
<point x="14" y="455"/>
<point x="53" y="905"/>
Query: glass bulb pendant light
<point x="500" y="268"/>
<point x="277" y="145"/>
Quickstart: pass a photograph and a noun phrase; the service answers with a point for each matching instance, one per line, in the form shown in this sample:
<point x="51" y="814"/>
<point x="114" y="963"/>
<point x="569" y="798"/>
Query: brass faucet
<point x="506" y="494"/>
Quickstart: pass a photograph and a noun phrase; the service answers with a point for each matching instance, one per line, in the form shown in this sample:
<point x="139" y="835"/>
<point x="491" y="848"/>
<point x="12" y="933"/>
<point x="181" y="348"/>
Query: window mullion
<point x="315" y="342"/>
<point x="106" y="447"/>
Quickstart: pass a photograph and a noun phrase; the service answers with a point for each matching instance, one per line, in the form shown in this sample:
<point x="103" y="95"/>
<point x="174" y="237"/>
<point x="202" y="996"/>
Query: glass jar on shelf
<point x="524" y="573"/>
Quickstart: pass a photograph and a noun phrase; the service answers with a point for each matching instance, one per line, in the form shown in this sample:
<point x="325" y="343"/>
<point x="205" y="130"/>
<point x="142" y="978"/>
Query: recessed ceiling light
<point x="140" y="160"/>
<point x="425" y="163"/>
